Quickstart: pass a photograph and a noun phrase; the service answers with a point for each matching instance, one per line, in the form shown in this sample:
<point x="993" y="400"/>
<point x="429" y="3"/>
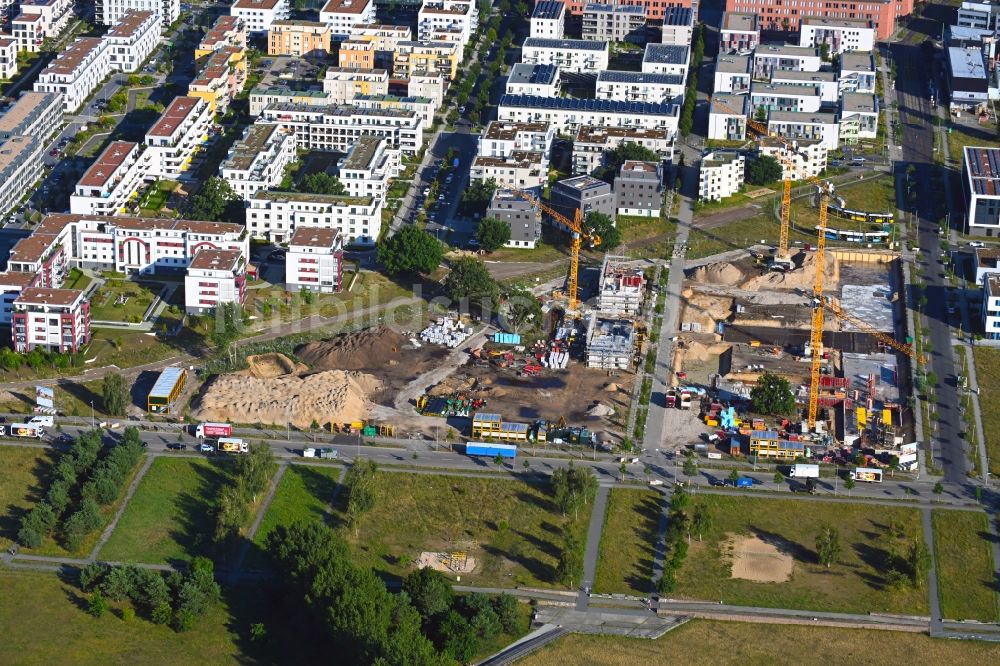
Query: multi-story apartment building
<point x="111" y="182"/>
<point x="858" y="117"/>
<point x="40" y="20"/>
<point x="981" y="186"/>
<point x="727" y="117"/>
<point x="820" y="126"/>
<point x="771" y="58"/>
<point x="501" y="139"/>
<point x="385" y="37"/>
<point x="522" y="215"/>
<point x="34" y="114"/>
<point x="369" y="167"/>
<point x="298" y="38"/>
<point x="357" y="54"/>
<point x="783" y="97"/>
<point x="258" y="160"/>
<point x="614" y="23"/>
<point x="802" y="159"/>
<point x="422" y="106"/>
<point x="825" y="84"/>
<point x="20" y="169"/>
<point x="175" y="138"/>
<point x="226" y="31"/>
<point x="733" y="74"/>
<point x="838" y="34"/>
<point x="315" y="260"/>
<point x="740" y="33"/>
<point x="262" y="96"/>
<point x="720" y="175"/>
<point x="337" y="128"/>
<point x="640" y="87"/>
<point x="8" y="56"/>
<point x="678" y="26"/>
<point x="29" y="32"/>
<point x="431" y="86"/>
<point x="991" y="307"/>
<point x="655" y="9"/>
<point x="534" y="80"/>
<point x="343" y="15"/>
<point x="132" y="39"/>
<point x="548" y="20"/>
<point x="980" y="15"/>
<point x="570" y="55"/>
<point x="76" y="72"/>
<point x="437" y="18"/>
<point x="12" y="283"/>
<point x="584" y="193"/>
<point x="110" y="12"/>
<point x="639" y="189"/>
<point x="344" y="84"/>
<point x="221" y="78"/>
<point x="275" y="215"/>
<point x="592" y="144"/>
<point x="520" y="170"/>
<point x="857" y="72"/>
<point x="258" y="15"/>
<point x="785" y="15"/>
<point x="666" y="59"/>
<point x="215" y="277"/>
<point x="428" y="57"/>
<point x="566" y="113"/>
<point x="55" y="320"/>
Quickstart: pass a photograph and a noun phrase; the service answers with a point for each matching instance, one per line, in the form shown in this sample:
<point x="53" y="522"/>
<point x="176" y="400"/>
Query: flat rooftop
<point x="305" y="197"/>
<point x="527" y="73"/>
<point x="246" y="150"/>
<point x="322" y="237"/>
<point x="858" y="103"/>
<point x="179" y="110"/>
<point x="983" y="167"/>
<point x="730" y="105"/>
<point x="216" y="260"/>
<point x="967" y="62"/>
<point x="603" y="8"/>
<point x="858" y="368"/>
<point x="590" y="105"/>
<point x="828" y="22"/>
<point x="27" y="105"/>
<point x="678" y="16"/>
<point x="733" y="63"/>
<point x="15" y="150"/>
<point x="501" y="130"/>
<point x="817" y="77"/>
<point x="870" y="303"/>
<point x="255" y="4"/>
<point x="740" y="22"/>
<point x="565" y="44"/>
<point x="720" y="158"/>
<point x="817" y="118"/>
<point x="667" y="54"/>
<point x="991" y="283"/>
<point x="649" y="78"/>
<point x="346" y="6"/>
<point x="363" y="152"/>
<point x="636" y="165"/>
<point x="787" y="50"/>
<point x="548" y="9"/>
<point x="517" y="159"/>
<point x="857" y="61"/>
<point x="108" y="163"/>
<point x="582" y="183"/>
<point x="600" y="134"/>
<point x="783" y="89"/>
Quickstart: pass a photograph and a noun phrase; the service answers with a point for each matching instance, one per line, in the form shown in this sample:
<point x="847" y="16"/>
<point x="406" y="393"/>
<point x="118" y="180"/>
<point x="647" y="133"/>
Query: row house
<point x="174" y="139"/>
<point x="566" y="114"/>
<point x="34" y="114"/>
<point x="20" y="169"/>
<point x="343" y="84"/>
<point x="226" y="31"/>
<point x="221" y="78"/>
<point x="110" y="183"/>
<point x="132" y="39"/>
<point x="76" y="72"/>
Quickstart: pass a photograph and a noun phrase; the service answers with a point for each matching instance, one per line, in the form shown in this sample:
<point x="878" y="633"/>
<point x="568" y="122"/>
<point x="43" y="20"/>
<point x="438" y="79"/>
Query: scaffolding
<point x="610" y="343"/>
<point x="621" y="288"/>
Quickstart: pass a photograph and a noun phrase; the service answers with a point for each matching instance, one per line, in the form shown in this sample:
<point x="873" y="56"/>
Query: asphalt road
<point x="916" y="113"/>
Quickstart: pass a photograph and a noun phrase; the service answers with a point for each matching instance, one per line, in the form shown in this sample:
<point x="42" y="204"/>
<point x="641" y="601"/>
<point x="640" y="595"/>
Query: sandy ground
<point x="759" y="561"/>
<point x="442" y="562"/>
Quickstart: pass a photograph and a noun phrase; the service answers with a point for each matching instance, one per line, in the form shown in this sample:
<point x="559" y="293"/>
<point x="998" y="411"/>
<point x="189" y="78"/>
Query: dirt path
<point x="121" y="509"/>
<point x="234" y="573"/>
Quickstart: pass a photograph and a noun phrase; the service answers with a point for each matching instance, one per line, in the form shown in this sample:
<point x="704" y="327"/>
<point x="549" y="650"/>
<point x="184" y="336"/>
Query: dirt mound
<point x="600" y="409"/>
<point x="800" y="278"/>
<point x="324" y="397"/>
<point x="720" y="273"/>
<point x="759" y="561"/>
<point x="372" y="348"/>
<point x="269" y="366"/>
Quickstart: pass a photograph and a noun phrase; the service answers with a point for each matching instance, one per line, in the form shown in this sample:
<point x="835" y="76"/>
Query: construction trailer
<point x="768" y="444"/>
<point x="620" y="289"/>
<point x="165" y="391"/>
<point x="492" y="427"/>
<point x="610" y="343"/>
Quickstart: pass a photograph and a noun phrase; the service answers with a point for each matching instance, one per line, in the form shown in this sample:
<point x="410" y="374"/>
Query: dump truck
<point x="203" y="430"/>
<point x="26" y="430"/>
<point x="232" y="445"/>
<point x="867" y="474"/>
<point x="804" y="472"/>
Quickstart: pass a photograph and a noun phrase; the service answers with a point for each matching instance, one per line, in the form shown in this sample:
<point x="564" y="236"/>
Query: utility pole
<point x="91" y="414"/>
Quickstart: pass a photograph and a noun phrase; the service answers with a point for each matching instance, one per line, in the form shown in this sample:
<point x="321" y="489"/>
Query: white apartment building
<point x="430" y="86"/>
<point x="720" y="175"/>
<point x="771" y="58"/>
<point x="436" y="18"/>
<point x="111" y="182"/>
<point x="981" y="186"/>
<point x="566" y="113"/>
<point x="740" y="32"/>
<point x="215" y="277"/>
<point x="76" y="72"/>
<point x="12" y="283"/>
<point x="614" y="23"/>
<point x="40" y="19"/>
<point x="501" y="139"/>
<point x="548" y="20"/>
<point x="733" y="74"/>
<point x="369" y="167"/>
<point x="20" y="169"/>
<point x="258" y="160"/>
<point x="534" y="80"/>
<point x="109" y="12"/>
<point x="570" y="55"/>
<point x="262" y="96"/>
<point x="275" y="215"/>
<point x="824" y="83"/>
<point x="132" y="39"/>
<point x="678" y="26"/>
<point x="422" y="106"/>
<point x="799" y="160"/>
<point x="8" y="57"/>
<point x="820" y="126"/>
<point x="315" y="260"/>
<point x="343" y="15"/>
<point x="385" y="37"/>
<point x="521" y="170"/>
<point x="34" y="114"/>
<point x="640" y="87"/>
<point x="783" y="97"/>
<point x="55" y="320"/>
<point x="727" y="117"/>
<point x="666" y="59"/>
<point x="258" y="15"/>
<point x="337" y="128"/>
<point x="175" y="138"/>
<point x="857" y="72"/>
<point x="981" y="15"/>
<point x="991" y="307"/>
<point x="344" y="84"/>
<point x="839" y="34"/>
<point x="592" y="143"/>
<point x="858" y="117"/>
<point x="28" y="31"/>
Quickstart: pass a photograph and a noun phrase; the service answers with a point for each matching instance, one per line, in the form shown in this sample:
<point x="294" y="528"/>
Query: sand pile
<point x="332" y="396"/>
<point x="268" y="366"/>
<point x="800" y="278"/>
<point x="719" y="273"/>
<point x="600" y="409"/>
<point x="372" y="348"/>
<point x="759" y="561"/>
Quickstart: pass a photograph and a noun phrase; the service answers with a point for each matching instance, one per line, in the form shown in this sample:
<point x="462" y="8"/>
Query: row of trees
<point x="360" y="484"/>
<point x="37" y="359"/>
<point x="685" y="519"/>
<point x="114" y="394"/>
<point x="686" y="122"/>
<point x="251" y="474"/>
<point x="573" y="488"/>
<point x="476" y="197"/>
<point x="173" y="599"/>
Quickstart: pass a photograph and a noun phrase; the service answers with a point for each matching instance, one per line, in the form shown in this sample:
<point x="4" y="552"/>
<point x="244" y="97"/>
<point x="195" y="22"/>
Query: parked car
<point x="977" y="244"/>
<point x="206" y="448"/>
<point x="177" y="446"/>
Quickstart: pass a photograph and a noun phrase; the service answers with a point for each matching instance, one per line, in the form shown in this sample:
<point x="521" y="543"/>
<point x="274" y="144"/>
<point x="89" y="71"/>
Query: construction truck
<point x="232" y="445"/>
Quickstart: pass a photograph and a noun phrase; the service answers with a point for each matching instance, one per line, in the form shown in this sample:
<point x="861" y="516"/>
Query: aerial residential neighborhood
<point x="427" y="332"/>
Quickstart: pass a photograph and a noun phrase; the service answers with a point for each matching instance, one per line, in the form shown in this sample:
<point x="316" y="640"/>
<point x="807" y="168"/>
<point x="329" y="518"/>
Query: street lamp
<point x="91" y="414"/>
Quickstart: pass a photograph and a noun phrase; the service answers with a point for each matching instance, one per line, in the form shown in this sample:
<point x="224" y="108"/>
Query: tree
<point x="217" y="201"/>
<point x="507" y="611"/>
<point x="734" y="476"/>
<point x="779" y="478"/>
<point x="459" y="638"/>
<point x="849" y="485"/>
<point x="772" y="395"/>
<point x="469" y="278"/>
<point x="919" y="558"/>
<point x="492" y="234"/>
<point x="570" y="567"/>
<point x="411" y="250"/>
<point x="256" y="468"/>
<point x="258" y="632"/>
<point x="519" y="308"/>
<point x="827" y="545"/>
<point x="690" y="467"/>
<point x="498" y="461"/>
<point x="97" y="606"/>
<point x="762" y="170"/>
<point x="938" y="488"/>
<point x="322" y="183"/>
<point x="622" y="469"/>
<point x="602" y="226"/>
<point x="115" y="394"/>
<point x="625" y="152"/>
<point x="824" y="52"/>
<point x="430" y="592"/>
<point x="360" y="484"/>
<point x="477" y="196"/>
<point x="701" y="520"/>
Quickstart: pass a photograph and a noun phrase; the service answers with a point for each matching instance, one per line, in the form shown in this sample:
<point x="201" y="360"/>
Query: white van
<point x="42" y="420"/>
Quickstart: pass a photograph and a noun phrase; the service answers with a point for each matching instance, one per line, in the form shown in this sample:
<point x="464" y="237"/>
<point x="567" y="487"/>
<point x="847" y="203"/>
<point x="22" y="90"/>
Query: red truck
<point x="213" y="430"/>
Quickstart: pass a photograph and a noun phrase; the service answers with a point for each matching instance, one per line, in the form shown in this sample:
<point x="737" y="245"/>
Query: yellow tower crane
<point x="816" y="332"/>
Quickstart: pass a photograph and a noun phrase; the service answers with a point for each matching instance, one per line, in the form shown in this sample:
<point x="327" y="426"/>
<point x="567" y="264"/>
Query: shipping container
<point x="491" y="450"/>
<point x="507" y="338"/>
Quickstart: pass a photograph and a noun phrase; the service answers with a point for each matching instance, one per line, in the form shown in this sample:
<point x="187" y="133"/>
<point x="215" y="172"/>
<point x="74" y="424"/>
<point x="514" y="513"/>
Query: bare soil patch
<point x="755" y="559"/>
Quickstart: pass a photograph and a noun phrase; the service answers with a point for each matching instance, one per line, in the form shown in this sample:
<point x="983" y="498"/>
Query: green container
<point x="368" y="431"/>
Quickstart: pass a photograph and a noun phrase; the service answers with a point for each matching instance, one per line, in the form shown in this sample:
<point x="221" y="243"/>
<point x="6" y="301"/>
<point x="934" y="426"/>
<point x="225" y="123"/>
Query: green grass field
<point x="738" y="235"/>
<point x="988" y="375"/>
<point x="962" y="136"/>
<point x="22" y="483"/>
<point x="304" y="493"/>
<point x="855" y="583"/>
<point x="965" y="570"/>
<point x="631" y="528"/>
<point x="512" y="528"/>
<point x="106" y="305"/>
<point x="875" y="195"/>
<point x="170" y="516"/>
<point x="711" y="643"/>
